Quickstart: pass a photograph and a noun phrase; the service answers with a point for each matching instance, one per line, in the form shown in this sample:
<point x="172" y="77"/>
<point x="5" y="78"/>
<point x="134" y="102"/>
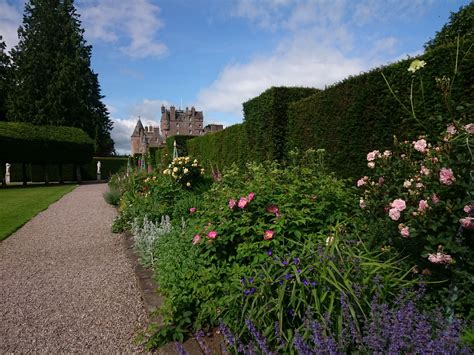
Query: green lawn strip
<point x="19" y="205"/>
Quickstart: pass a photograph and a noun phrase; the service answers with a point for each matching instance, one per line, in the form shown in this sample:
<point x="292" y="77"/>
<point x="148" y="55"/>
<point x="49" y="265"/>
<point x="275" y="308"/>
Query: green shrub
<point x="112" y="197"/>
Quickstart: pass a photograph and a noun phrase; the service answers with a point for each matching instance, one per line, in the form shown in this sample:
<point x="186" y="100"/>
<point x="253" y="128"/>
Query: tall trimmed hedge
<point x="266" y="121"/>
<point x="360" y="114"/>
<point x="180" y="144"/>
<point x="221" y="148"/>
<point x="26" y="143"/>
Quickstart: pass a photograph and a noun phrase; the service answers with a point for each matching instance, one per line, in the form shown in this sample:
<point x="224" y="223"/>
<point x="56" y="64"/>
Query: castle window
<point x="190" y="131"/>
<point x="177" y="125"/>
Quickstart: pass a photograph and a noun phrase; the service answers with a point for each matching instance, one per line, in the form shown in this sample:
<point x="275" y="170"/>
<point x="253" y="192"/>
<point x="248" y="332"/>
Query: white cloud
<point x="135" y="22"/>
<point x="149" y="112"/>
<point x="299" y="62"/>
<point x="10" y="20"/>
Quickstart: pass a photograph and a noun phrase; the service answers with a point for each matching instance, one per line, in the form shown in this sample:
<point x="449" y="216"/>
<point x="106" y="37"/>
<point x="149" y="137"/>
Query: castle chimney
<point x="172" y="113"/>
<point x="163" y="109"/>
<point x="193" y="111"/>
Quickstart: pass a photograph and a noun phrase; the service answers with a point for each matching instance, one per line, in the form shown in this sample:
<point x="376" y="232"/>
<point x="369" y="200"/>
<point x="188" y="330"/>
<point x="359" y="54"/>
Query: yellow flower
<point x="188" y="184"/>
<point x="416" y="65"/>
<point x="185" y="170"/>
<point x="175" y="169"/>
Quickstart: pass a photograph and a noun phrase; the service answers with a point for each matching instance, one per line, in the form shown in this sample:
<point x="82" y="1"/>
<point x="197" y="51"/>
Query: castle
<point x="173" y="122"/>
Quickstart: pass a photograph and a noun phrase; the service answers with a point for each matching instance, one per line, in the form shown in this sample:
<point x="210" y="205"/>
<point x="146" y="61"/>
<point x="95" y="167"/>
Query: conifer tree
<point x="4" y="79"/>
<point x="54" y="83"/>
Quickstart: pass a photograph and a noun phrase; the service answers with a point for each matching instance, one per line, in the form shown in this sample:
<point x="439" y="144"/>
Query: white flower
<point x="371" y="164"/>
<point x="329" y="240"/>
<point x="407" y="184"/>
<point x="416" y="65"/>
<point x="175" y="169"/>
<point x="185" y="171"/>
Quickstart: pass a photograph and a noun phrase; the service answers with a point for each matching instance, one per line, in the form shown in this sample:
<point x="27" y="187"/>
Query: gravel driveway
<point x="66" y="284"/>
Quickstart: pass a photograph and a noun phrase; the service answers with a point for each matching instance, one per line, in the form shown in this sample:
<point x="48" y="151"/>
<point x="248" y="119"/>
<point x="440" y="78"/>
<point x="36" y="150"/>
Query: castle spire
<point x="138" y="128"/>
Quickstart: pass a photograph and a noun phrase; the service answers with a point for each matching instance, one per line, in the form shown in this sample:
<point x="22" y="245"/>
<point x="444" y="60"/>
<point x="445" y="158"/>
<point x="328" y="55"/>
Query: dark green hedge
<point x="23" y="142"/>
<point x="36" y="173"/>
<point x="180" y="144"/>
<point x="360" y="114"/>
<point x="266" y="121"/>
<point x="221" y="148"/>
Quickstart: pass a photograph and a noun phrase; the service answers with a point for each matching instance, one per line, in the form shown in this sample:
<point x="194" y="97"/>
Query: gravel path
<point x="66" y="284"/>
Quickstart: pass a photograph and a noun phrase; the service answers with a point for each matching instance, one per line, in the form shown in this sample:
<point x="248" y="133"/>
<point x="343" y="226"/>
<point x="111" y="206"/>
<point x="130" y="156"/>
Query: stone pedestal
<point x="7" y="178"/>
<point x="98" y="177"/>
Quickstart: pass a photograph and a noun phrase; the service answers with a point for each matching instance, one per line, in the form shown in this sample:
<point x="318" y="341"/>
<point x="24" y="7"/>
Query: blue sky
<point x="216" y="54"/>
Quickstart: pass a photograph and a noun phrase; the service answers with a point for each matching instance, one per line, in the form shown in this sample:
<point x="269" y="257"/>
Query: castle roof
<point x="138" y="128"/>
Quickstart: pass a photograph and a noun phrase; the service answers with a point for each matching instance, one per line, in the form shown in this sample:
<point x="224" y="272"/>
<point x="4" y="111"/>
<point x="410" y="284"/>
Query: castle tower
<point x="137" y="138"/>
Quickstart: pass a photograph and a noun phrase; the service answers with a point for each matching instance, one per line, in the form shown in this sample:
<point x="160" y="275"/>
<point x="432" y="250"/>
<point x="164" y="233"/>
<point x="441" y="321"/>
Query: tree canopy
<point x="4" y="77"/>
<point x="53" y="81"/>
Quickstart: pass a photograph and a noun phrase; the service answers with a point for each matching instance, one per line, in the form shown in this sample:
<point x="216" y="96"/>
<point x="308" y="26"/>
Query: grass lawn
<point x="19" y="204"/>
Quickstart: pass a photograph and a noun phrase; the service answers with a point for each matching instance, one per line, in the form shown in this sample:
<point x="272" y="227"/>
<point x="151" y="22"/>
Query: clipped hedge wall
<point x="360" y="114"/>
<point x="180" y="144"/>
<point x="221" y="148"/>
<point x="266" y="121"/>
<point x="108" y="167"/>
<point x="23" y="142"/>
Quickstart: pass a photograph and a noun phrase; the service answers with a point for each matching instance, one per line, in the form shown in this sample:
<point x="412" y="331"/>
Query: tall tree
<point x="54" y="83"/>
<point x="4" y="79"/>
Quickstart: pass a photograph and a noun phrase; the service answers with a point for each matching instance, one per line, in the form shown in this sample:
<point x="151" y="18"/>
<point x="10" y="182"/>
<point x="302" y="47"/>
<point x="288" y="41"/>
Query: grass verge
<point x="19" y="204"/>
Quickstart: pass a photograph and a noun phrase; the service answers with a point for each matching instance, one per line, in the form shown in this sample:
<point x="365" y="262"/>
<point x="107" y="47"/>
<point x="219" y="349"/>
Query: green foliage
<point x="185" y="171"/>
<point x="109" y="167"/>
<point x="23" y="142"/>
<point x="180" y="144"/>
<point x="5" y="78"/>
<point x="460" y="25"/>
<point x="112" y="197"/>
<point x="266" y="121"/>
<point x="53" y="83"/>
<point x="221" y="149"/>
<point x="162" y="158"/>
<point x="360" y="114"/>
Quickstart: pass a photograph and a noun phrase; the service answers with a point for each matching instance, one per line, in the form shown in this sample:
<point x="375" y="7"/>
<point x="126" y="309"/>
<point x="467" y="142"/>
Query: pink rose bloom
<point x="362" y="204"/>
<point x="451" y="129"/>
<point x="232" y="203"/>
<point x="446" y="176"/>
<point x="440" y="258"/>
<point x="405" y="232"/>
<point x="251" y="196"/>
<point x="361" y="182"/>
<point x="420" y="145"/>
<point x="273" y="209"/>
<point x="424" y="170"/>
<point x="381" y="180"/>
<point x="371" y="164"/>
<point x="192" y="210"/>
<point x="398" y="204"/>
<point x="468" y="208"/>
<point x="387" y="153"/>
<point x="407" y="184"/>
<point x="196" y="239"/>
<point x="242" y="202"/>
<point x="423" y="205"/>
<point x="268" y="234"/>
<point x="212" y="235"/>
<point x="419" y="185"/>
<point x="372" y="155"/>
<point x="435" y="198"/>
<point x="394" y="214"/>
<point x="469" y="128"/>
<point x="434" y="160"/>
<point x="467" y="222"/>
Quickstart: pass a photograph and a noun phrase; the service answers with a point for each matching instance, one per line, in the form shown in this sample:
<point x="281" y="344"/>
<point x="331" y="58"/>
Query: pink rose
<point x="192" y="210"/>
<point x="469" y="128"/>
<point x="273" y="209"/>
<point x="405" y="232"/>
<point x="242" y="202"/>
<point x="394" y="214"/>
<point x="372" y="155"/>
<point x="435" y="198"/>
<point x="451" y="129"/>
<point x="371" y="164"/>
<point x="361" y="182"/>
<point x="398" y="204"/>
<point x="424" y="170"/>
<point x="446" y="176"/>
<point x="212" y="235"/>
<point x="420" y="145"/>
<point x="422" y="205"/>
<point x="467" y="222"/>
<point x="381" y="180"/>
<point x="251" y="196"/>
<point x="440" y="258"/>
<point x="196" y="239"/>
<point x="362" y="204"/>
<point x="232" y="203"/>
<point x="468" y="208"/>
<point x="387" y="153"/>
<point x="268" y="234"/>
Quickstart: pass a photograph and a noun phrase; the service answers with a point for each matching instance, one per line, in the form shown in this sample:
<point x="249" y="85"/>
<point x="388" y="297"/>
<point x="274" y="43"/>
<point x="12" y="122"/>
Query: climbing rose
<point x="362" y="181"/>
<point x="424" y="170"/>
<point x="394" y="214"/>
<point x="372" y="155"/>
<point x="387" y="153"/>
<point x="196" y="239"/>
<point x="420" y="145"/>
<point x="422" y="205"/>
<point x="440" y="258"/>
<point x="468" y="208"/>
<point x="398" y="204"/>
<point x="232" y="203"/>
<point x="273" y="209"/>
<point x="446" y="176"/>
<point x="251" y="196"/>
<point x="405" y="232"/>
<point x="192" y="210"/>
<point x="242" y="202"/>
<point x="451" y="129"/>
<point x="467" y="222"/>
<point x="212" y="235"/>
<point x="268" y="234"/>
<point x="407" y="184"/>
